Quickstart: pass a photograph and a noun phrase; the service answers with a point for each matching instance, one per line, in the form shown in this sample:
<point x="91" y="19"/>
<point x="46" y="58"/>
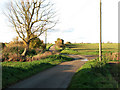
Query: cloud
<point x="68" y="30"/>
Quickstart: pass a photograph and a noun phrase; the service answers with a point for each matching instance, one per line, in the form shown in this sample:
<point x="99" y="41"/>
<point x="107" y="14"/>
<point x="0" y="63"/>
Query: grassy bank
<point x="13" y="72"/>
<point x="48" y="46"/>
<point x="115" y="72"/>
<point x="90" y="48"/>
<point x="95" y="74"/>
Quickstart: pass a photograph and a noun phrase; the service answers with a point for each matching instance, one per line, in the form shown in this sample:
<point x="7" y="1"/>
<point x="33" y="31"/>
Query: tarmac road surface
<point x="55" y="77"/>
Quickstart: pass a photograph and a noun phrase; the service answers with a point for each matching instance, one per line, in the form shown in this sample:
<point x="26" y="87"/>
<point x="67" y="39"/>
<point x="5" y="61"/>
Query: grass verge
<point x="48" y="46"/>
<point x="93" y="74"/>
<point x="69" y="51"/>
<point x="115" y="72"/>
<point x="13" y="72"/>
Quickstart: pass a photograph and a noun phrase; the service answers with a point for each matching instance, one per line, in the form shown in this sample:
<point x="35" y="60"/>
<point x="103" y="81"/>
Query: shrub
<point x="31" y="53"/>
<point x="3" y="45"/>
<point x="59" y="44"/>
<point x="8" y="52"/>
<point x="5" y="56"/>
<point x="14" y="57"/>
<point x="59" y="41"/>
<point x="16" y="44"/>
<point x="41" y="56"/>
<point x="112" y="56"/>
<point x="36" y="43"/>
<point x="14" y="49"/>
<point x="68" y="43"/>
<point x="38" y="50"/>
<point x="43" y="46"/>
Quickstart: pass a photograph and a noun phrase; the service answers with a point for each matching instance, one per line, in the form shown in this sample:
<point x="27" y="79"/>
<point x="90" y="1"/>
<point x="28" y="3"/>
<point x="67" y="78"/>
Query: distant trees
<point x="31" y="17"/>
<point x="59" y="44"/>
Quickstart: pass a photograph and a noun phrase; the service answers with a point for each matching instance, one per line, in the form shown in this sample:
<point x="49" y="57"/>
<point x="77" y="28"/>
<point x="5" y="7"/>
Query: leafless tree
<point x="31" y="18"/>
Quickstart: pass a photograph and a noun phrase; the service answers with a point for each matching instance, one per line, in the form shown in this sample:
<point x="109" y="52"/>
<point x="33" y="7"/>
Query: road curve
<point x="52" y="48"/>
<point x="55" y="77"/>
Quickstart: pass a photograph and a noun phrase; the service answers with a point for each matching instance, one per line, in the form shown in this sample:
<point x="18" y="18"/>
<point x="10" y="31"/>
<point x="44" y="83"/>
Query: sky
<point x="79" y="21"/>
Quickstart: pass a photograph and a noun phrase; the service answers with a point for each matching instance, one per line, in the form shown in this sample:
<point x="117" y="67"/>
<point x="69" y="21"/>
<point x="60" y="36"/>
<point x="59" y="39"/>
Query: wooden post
<point x="100" y="43"/>
<point x="45" y="39"/>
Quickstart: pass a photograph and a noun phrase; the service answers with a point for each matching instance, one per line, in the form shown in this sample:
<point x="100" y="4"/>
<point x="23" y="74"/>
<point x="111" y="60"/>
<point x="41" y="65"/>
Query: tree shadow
<point x="11" y="75"/>
<point x="15" y="75"/>
<point x="94" y="77"/>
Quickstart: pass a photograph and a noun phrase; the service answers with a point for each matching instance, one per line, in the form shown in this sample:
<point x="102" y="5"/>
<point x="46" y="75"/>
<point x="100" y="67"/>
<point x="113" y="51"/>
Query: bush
<point x="59" y="44"/>
<point x="36" y="43"/>
<point x="31" y="53"/>
<point x="16" y="44"/>
<point x="3" y="45"/>
<point x="41" y="56"/>
<point x="43" y="46"/>
<point x="68" y="43"/>
<point x="8" y="52"/>
<point x="5" y="56"/>
<point x="38" y="50"/>
<point x="59" y="41"/>
<point x="14" y="49"/>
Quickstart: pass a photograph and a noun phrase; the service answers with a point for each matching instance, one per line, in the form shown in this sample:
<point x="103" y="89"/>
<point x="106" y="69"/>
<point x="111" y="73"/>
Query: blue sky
<point x="78" y="21"/>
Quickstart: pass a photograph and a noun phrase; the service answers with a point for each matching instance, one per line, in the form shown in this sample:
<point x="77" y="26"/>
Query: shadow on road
<point x="56" y="77"/>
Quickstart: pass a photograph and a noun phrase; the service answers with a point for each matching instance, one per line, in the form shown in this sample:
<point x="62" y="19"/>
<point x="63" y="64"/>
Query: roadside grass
<point x="115" y="72"/>
<point x="69" y="51"/>
<point x="48" y="46"/>
<point x="90" y="48"/>
<point x="13" y="72"/>
<point x="94" y="74"/>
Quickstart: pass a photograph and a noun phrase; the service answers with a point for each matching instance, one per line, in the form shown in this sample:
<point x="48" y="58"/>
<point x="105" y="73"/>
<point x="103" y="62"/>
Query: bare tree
<point x="31" y="17"/>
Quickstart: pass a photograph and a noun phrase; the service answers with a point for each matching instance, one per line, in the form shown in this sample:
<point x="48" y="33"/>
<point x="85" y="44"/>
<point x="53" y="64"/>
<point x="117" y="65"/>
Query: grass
<point x="115" y="72"/>
<point x="48" y="46"/>
<point x="90" y="49"/>
<point x="69" y="51"/>
<point x="13" y="72"/>
<point x="94" y="74"/>
<point x="98" y="73"/>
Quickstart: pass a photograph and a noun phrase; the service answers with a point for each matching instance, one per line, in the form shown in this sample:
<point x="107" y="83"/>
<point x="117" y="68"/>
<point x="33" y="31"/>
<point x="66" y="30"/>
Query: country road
<point x="52" y="48"/>
<point x="55" y="77"/>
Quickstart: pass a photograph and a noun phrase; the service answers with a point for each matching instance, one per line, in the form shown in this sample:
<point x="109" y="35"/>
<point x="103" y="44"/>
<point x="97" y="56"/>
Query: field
<point x="90" y="48"/>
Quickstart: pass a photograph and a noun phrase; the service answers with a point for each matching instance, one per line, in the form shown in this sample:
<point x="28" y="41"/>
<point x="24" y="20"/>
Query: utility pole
<point x="100" y="43"/>
<point x="45" y="38"/>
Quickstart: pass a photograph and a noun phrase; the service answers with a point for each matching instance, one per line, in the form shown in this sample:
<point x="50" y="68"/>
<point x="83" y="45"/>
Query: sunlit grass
<point x="48" y="46"/>
<point x="90" y="49"/>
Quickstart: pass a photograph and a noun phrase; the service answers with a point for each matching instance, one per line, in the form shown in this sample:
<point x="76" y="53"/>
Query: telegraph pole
<point x="45" y="38"/>
<point x="100" y="43"/>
